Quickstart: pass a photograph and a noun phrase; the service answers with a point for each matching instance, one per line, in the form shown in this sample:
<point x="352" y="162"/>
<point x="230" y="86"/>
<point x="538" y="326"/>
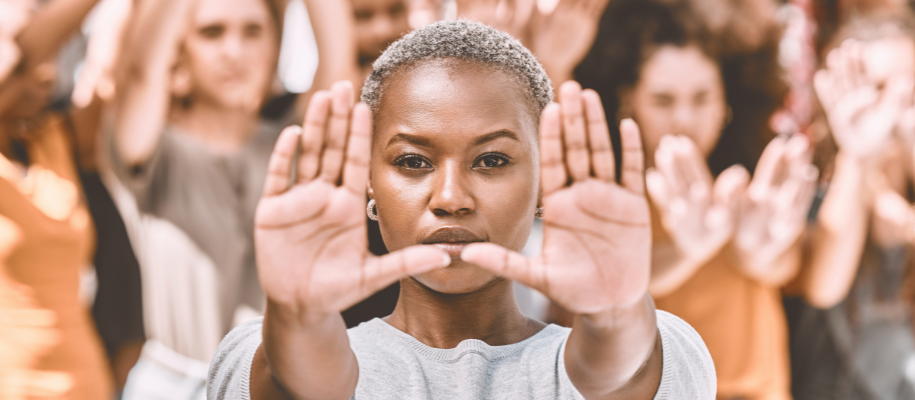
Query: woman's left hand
<point x="597" y="236"/>
<point x="774" y="212"/>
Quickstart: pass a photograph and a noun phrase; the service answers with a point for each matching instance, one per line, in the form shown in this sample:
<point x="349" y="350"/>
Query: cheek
<point x="400" y="202"/>
<point x="710" y="123"/>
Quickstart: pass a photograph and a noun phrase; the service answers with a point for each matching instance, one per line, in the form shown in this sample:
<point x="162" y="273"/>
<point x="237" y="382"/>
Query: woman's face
<point x="679" y="92"/>
<point x="231" y="52"/>
<point x="455" y="160"/>
<point x="378" y="24"/>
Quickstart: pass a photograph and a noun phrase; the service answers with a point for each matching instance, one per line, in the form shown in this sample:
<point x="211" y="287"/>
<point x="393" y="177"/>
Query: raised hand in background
<point x="698" y="212"/>
<point x="773" y="213"/>
<point x="862" y="109"/>
<point x="96" y="77"/>
<point x="562" y="37"/>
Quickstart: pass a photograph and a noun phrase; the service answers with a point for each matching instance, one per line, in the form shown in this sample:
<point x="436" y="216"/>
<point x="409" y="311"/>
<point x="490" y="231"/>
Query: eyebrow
<point x="425" y="142"/>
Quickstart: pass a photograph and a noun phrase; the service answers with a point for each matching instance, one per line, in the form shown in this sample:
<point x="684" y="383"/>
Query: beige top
<point x="190" y="214"/>
<point x="48" y="345"/>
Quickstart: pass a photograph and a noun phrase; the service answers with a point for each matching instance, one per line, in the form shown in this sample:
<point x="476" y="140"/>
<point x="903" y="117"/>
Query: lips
<point x="452" y="239"/>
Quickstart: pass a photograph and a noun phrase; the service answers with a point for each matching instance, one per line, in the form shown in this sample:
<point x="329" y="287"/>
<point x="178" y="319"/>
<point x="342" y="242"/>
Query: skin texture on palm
<point x="598" y="236"/>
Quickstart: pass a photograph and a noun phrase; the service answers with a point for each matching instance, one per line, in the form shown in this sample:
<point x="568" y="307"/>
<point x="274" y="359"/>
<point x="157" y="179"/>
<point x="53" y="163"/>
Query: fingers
<point x="602" y="163"/>
<point x="633" y="157"/>
<point x="507" y="263"/>
<point x="313" y="136"/>
<point x="552" y="170"/>
<point x="380" y="272"/>
<point x="768" y="168"/>
<point x="281" y="161"/>
<point x="657" y="189"/>
<point x="574" y="135"/>
<point x="727" y="192"/>
<point x="358" y="151"/>
<point x="692" y="163"/>
<point x="337" y="131"/>
<point x="665" y="159"/>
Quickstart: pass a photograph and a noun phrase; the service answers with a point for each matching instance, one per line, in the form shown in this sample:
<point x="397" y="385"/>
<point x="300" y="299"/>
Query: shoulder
<point x="688" y="372"/>
<point x="230" y="369"/>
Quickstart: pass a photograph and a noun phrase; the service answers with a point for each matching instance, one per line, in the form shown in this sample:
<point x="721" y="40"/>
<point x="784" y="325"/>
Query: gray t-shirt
<point x="394" y="365"/>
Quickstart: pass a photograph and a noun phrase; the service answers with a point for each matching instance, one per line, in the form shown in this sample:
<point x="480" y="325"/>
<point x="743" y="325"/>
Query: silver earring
<point x="370" y="210"/>
<point x="539" y="213"/>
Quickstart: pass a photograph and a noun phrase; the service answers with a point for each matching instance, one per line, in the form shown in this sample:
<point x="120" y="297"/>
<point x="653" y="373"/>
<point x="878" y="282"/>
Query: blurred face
<point x="455" y="160"/>
<point x="378" y="24"/>
<point x="679" y="92"/>
<point x="231" y="53"/>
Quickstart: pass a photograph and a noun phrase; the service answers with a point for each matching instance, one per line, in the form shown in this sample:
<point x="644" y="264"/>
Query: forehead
<point x="211" y="11"/>
<point x="455" y="97"/>
<point x="672" y="68"/>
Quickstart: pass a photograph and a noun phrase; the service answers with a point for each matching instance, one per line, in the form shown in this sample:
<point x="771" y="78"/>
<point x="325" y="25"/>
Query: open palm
<point x="597" y="236"/>
<point x="311" y="237"/>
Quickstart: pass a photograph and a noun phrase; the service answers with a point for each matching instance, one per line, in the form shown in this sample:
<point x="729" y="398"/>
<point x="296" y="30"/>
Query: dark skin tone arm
<point x="614" y="350"/>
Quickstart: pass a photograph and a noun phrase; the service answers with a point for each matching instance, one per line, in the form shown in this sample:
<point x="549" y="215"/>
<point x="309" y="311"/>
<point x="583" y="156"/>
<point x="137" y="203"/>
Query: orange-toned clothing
<point x="48" y="345"/>
<point x="743" y="324"/>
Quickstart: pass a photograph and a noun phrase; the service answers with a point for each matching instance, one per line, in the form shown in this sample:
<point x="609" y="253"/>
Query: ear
<point x="371" y="191"/>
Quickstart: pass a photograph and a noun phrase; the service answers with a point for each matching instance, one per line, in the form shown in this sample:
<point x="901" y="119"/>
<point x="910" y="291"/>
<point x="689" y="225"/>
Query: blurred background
<point x="135" y="134"/>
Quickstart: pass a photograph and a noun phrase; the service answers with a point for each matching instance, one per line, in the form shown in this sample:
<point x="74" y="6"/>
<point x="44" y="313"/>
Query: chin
<point x="458" y="278"/>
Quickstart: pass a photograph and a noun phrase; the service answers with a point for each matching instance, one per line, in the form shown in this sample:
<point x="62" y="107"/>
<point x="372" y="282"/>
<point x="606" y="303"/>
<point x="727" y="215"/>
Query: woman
<point x="454" y="161"/>
<point x="853" y="333"/>
<point x="189" y="150"/>
<point x="724" y="244"/>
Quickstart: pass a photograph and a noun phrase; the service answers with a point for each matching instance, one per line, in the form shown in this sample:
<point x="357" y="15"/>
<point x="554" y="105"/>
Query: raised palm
<point x="311" y="237"/>
<point x="597" y="236"/>
<point x="774" y="211"/>
<point x="862" y="110"/>
<point x="698" y="212"/>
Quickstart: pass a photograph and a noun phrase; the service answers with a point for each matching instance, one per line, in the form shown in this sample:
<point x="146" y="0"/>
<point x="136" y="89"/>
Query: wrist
<point x="636" y="314"/>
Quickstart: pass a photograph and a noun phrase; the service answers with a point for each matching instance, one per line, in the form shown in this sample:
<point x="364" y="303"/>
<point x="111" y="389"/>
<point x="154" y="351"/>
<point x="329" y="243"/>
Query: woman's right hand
<point x="862" y="110"/>
<point x="310" y="234"/>
<point x="697" y="211"/>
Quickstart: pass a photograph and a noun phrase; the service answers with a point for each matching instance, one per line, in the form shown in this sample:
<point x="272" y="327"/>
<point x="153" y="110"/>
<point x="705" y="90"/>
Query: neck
<point x="440" y="320"/>
<point x="225" y="130"/>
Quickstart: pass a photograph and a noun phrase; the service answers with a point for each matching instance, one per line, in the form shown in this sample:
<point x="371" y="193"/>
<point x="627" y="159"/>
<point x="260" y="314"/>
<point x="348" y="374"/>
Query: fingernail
<point x="446" y="260"/>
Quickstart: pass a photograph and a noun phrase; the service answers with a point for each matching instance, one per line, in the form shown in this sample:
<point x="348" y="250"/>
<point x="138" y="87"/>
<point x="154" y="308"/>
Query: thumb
<point x="507" y="263"/>
<point x="382" y="271"/>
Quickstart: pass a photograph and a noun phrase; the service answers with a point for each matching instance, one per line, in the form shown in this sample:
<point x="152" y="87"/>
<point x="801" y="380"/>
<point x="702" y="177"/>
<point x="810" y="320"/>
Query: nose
<point x="682" y="120"/>
<point x="232" y="46"/>
<point x="450" y="194"/>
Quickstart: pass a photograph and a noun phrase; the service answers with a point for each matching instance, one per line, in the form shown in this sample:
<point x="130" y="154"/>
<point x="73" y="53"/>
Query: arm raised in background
<point x="698" y="212"/>
<point x="596" y="256"/>
<point x="49" y="29"/>
<point x="338" y="55"/>
<point x="862" y="116"/>
<point x="144" y="77"/>
<point x="312" y="258"/>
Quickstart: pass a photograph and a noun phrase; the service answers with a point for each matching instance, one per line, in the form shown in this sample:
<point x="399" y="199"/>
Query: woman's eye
<point x="491" y="161"/>
<point x="212" y="32"/>
<point x="412" y="162"/>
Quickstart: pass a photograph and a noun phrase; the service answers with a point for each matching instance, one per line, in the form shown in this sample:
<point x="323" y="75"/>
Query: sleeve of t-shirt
<point x="688" y="372"/>
<point x="147" y="181"/>
<point x="230" y="370"/>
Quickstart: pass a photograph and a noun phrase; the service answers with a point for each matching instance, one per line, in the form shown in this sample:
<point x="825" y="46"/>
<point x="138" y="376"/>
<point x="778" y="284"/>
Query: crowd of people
<point x="160" y="188"/>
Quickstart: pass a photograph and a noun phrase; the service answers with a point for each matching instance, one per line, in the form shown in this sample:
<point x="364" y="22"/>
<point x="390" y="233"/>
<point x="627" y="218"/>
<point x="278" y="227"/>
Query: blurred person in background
<point x="189" y="153"/>
<point x="859" y="344"/>
<point x="48" y="344"/>
<point x="724" y="242"/>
